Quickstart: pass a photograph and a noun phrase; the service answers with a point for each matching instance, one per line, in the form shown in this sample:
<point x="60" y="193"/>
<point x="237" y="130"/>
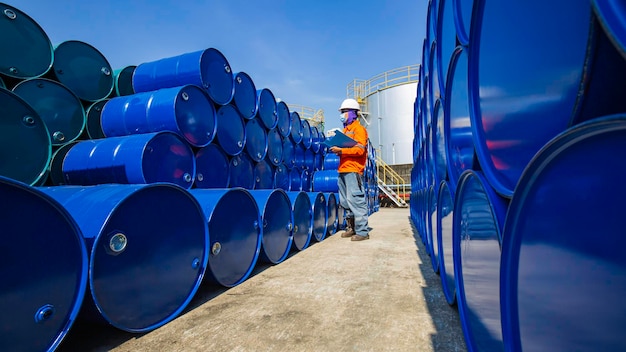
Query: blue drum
<point x="41" y="297"/>
<point x="320" y="217"/>
<point x="208" y="69"/>
<point x="509" y="103"/>
<point x="25" y="146"/>
<point x="274" y="147"/>
<point x="296" y="127"/>
<point x="281" y="178"/>
<point x="212" y="167"/>
<point x="135" y="159"/>
<point x="245" y="96"/>
<point x="326" y="181"/>
<point x="256" y="140"/>
<point x="147" y="247"/>
<point x="186" y="110"/>
<point x="307" y="138"/>
<point x="295" y="180"/>
<point x="231" y="130"/>
<point x="277" y="219"/>
<point x="302" y="219"/>
<point x="83" y="69"/>
<point x="477" y="236"/>
<point x="445" y="215"/>
<point x="60" y="109"/>
<point x="305" y="179"/>
<point x="289" y="153"/>
<point x="332" y="213"/>
<point x="462" y="19"/>
<point x="439" y="153"/>
<point x="263" y="175"/>
<point x="284" y="119"/>
<point x="93" y="115"/>
<point x="266" y="108"/>
<point x="563" y="272"/>
<point x="28" y="51"/>
<point x="446" y="39"/>
<point x="331" y="161"/>
<point x="241" y="172"/>
<point x="431" y="227"/>
<point x="235" y="236"/>
<point x="123" y="81"/>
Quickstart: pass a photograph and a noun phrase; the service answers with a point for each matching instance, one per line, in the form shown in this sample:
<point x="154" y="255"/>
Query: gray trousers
<point x="352" y="199"/>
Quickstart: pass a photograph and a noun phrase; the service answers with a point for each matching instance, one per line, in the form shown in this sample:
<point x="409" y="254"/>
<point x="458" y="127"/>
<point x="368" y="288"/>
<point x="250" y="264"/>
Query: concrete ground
<point x="336" y="295"/>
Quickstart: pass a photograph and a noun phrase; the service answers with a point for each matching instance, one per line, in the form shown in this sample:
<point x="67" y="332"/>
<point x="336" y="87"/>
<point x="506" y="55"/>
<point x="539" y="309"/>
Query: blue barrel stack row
<point x="125" y="190"/>
<point x="519" y="156"/>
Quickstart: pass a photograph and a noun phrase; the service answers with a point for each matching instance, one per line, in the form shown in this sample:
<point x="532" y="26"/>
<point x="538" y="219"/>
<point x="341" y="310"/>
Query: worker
<point x="351" y="166"/>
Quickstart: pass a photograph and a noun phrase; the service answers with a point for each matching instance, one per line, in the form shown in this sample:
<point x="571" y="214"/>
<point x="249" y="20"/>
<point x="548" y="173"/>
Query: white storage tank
<point x="387" y="103"/>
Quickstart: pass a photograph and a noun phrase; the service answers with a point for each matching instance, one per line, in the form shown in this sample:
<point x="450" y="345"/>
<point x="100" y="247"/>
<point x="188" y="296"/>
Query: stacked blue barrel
<point x="134" y="175"/>
<point x="519" y="129"/>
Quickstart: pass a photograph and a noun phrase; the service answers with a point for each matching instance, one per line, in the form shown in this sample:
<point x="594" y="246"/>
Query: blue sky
<point x="305" y="52"/>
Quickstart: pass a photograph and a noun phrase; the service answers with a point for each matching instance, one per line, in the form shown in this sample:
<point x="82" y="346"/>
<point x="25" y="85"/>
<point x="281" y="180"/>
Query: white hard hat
<point x="350" y="104"/>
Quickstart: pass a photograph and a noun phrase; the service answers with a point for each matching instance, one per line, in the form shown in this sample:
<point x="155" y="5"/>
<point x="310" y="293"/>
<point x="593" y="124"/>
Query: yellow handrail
<point x="391" y="178"/>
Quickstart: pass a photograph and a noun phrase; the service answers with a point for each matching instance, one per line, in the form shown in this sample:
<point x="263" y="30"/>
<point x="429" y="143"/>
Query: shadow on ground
<point x="449" y="336"/>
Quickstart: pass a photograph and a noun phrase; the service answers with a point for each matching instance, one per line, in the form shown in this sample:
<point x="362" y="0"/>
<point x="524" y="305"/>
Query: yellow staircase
<point x="391" y="183"/>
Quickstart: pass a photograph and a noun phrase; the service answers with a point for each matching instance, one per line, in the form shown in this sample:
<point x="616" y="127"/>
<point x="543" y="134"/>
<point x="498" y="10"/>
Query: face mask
<point x="343" y="117"/>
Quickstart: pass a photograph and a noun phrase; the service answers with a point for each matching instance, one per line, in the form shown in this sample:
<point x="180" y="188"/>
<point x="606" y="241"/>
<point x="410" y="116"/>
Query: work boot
<point x="349" y="232"/>
<point x="360" y="238"/>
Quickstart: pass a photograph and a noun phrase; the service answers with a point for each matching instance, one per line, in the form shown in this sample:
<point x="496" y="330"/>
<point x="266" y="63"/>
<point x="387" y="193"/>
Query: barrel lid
<point x="27" y="51"/>
<point x="25" y="146"/>
<point x="83" y="69"/>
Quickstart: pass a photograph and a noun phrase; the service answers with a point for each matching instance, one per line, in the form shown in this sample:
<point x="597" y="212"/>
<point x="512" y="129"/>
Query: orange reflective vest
<point x="353" y="159"/>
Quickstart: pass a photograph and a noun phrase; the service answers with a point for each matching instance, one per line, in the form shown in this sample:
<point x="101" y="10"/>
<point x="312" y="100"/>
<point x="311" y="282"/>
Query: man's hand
<point x="335" y="150"/>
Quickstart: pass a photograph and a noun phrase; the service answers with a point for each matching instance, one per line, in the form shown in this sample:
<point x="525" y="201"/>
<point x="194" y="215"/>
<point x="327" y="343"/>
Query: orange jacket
<point x="353" y="159"/>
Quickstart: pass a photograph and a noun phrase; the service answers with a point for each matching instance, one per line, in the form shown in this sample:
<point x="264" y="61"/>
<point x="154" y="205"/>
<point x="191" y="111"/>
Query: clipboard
<point x="340" y="140"/>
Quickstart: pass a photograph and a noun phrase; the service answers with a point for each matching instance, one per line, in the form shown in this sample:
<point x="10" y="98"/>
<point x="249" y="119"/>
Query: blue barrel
<point x="123" y="81"/>
<point x="341" y="214"/>
<point x="315" y="139"/>
<point x="309" y="160"/>
<point x="93" y="115"/>
<point x="55" y="170"/>
<point x="612" y="14"/>
<point x="186" y="110"/>
<point x="331" y="161"/>
<point x="605" y="72"/>
<point x="241" y="172"/>
<point x="281" y="177"/>
<point x="302" y="219"/>
<point x="231" y="130"/>
<point x="477" y="235"/>
<point x="318" y="161"/>
<point x="326" y="181"/>
<point x="266" y="108"/>
<point x="256" y="139"/>
<point x="299" y="156"/>
<point x="332" y="214"/>
<point x="274" y="147"/>
<point x="320" y="217"/>
<point x="296" y="127"/>
<point x="148" y="250"/>
<point x="289" y="153"/>
<point x="456" y="122"/>
<point x="445" y="215"/>
<point x="509" y="103"/>
<point x="563" y="271"/>
<point x="446" y="39"/>
<point x="83" y="69"/>
<point x="245" y="96"/>
<point x="25" y="146"/>
<point x="462" y="19"/>
<point x="212" y="167"/>
<point x="277" y="219"/>
<point x="439" y="153"/>
<point x="263" y="175"/>
<point x="207" y="68"/>
<point x="235" y="236"/>
<point x="28" y="52"/>
<point x="307" y="138"/>
<point x="284" y="119"/>
<point x="433" y="243"/>
<point x="435" y="86"/>
<point x="41" y="296"/>
<point x="59" y="108"/>
<point x="295" y="180"/>
<point x="139" y="159"/>
<point x="305" y="179"/>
